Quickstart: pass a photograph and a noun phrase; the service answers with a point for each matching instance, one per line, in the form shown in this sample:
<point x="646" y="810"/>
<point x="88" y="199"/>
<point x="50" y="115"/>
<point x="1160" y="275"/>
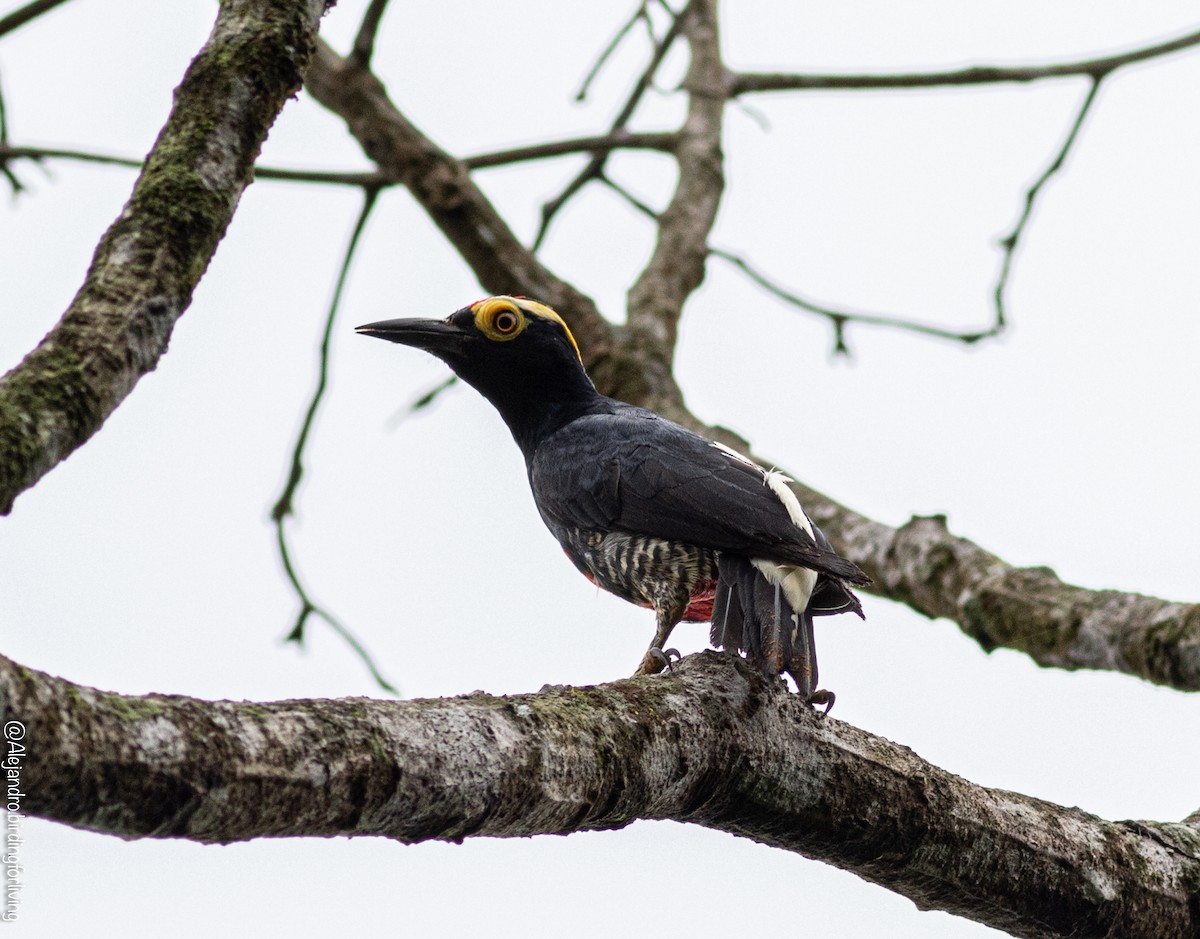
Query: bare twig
<point x="618" y="139"/>
<point x="285" y="505"/>
<point x="13" y="182"/>
<point x="643" y="207"/>
<point x="38" y="154"/>
<point x="596" y="163"/>
<point x="621" y="140"/>
<point x="747" y="82"/>
<point x="1010" y="241"/>
<point x="327" y="177"/>
<point x="364" y="42"/>
<point x="421" y="402"/>
<point x="640" y="15"/>
<point x="838" y="318"/>
<point x="30" y="11"/>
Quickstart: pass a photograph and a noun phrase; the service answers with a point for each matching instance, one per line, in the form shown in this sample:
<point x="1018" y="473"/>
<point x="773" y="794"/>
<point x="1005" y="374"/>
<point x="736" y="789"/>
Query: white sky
<point x="146" y="563"/>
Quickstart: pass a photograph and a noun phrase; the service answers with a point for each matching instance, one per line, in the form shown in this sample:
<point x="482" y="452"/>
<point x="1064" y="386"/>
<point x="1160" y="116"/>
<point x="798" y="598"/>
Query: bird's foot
<point x="821" y="696"/>
<point x="656" y="660"/>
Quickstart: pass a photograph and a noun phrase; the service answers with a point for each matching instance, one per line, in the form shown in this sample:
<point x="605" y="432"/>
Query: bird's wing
<point x="631" y="470"/>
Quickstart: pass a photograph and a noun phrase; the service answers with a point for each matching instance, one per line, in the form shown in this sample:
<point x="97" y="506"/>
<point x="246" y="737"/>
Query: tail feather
<point x="832" y="596"/>
<point x="753" y="616"/>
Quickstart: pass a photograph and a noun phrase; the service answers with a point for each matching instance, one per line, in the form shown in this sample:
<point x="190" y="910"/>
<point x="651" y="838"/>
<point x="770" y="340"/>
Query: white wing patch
<point x="796" y="582"/>
<point x="777" y="482"/>
<point x="730" y="452"/>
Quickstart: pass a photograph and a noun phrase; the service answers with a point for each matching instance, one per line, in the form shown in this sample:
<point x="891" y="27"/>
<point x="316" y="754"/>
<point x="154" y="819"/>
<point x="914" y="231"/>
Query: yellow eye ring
<point x="499" y="318"/>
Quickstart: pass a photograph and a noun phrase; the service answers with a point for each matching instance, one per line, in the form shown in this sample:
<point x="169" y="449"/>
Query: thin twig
<point x="364" y="42"/>
<point x="370" y="180"/>
<point x="13" y="182"/>
<point x="285" y="505"/>
<point x="596" y="163"/>
<point x="1009" y="243"/>
<point x="748" y="82"/>
<point x="18" y="18"/>
<point x="839" y="318"/>
<point x="49" y="153"/>
<point x="618" y="139"/>
<point x="643" y="207"/>
<point x="641" y="14"/>
<point x="422" y="402"/>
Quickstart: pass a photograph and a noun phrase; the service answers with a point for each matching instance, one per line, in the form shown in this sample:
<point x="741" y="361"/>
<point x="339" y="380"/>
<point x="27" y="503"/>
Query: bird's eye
<point x="499" y="318"/>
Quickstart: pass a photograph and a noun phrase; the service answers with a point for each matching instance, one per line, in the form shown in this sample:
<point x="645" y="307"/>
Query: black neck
<point x="533" y="410"/>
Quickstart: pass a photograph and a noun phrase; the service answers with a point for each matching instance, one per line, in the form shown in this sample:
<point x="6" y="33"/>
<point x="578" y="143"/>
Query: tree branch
<point x="443" y="187"/>
<point x="149" y="261"/>
<point x="619" y="139"/>
<point x="839" y="318"/>
<point x="31" y="11"/>
<point x="595" y="166"/>
<point x="920" y="564"/>
<point x="747" y="82"/>
<point x="712" y="743"/>
<point x="284" y="507"/>
<point x="938" y="574"/>
<point x="677" y="265"/>
<point x="364" y="42"/>
<point x="664" y="142"/>
<point x="640" y="15"/>
<point x="1012" y="239"/>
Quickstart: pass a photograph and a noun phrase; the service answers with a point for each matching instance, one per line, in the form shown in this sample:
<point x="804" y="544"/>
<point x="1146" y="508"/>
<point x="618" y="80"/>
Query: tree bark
<point x="712" y="743"/>
<point x="148" y="263"/>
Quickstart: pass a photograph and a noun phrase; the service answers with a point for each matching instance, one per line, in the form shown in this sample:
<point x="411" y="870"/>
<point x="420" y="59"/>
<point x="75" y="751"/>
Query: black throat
<point x="534" y="403"/>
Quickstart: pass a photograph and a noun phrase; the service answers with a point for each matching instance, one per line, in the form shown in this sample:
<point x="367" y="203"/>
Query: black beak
<point x="435" y="336"/>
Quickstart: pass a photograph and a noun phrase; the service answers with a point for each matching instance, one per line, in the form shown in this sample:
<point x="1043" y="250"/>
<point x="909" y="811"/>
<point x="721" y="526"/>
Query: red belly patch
<point x="700" y="606"/>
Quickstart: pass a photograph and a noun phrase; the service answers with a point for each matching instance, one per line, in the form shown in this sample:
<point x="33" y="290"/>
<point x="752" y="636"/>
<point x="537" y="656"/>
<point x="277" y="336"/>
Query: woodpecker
<point x="643" y="507"/>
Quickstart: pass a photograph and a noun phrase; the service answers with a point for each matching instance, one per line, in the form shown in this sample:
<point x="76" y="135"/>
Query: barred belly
<point x="644" y="570"/>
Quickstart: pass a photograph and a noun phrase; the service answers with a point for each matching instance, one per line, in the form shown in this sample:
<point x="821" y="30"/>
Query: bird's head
<point x="518" y="353"/>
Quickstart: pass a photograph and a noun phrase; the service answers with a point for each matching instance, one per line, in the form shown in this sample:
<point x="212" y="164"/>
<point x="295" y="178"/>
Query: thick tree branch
<point x="746" y="82"/>
<point x="926" y="567"/>
<point x="149" y="261"/>
<point x="712" y="743"/>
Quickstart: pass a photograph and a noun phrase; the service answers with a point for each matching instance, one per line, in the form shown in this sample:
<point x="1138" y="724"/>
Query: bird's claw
<point x="656" y="660"/>
<point x="820" y="697"/>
